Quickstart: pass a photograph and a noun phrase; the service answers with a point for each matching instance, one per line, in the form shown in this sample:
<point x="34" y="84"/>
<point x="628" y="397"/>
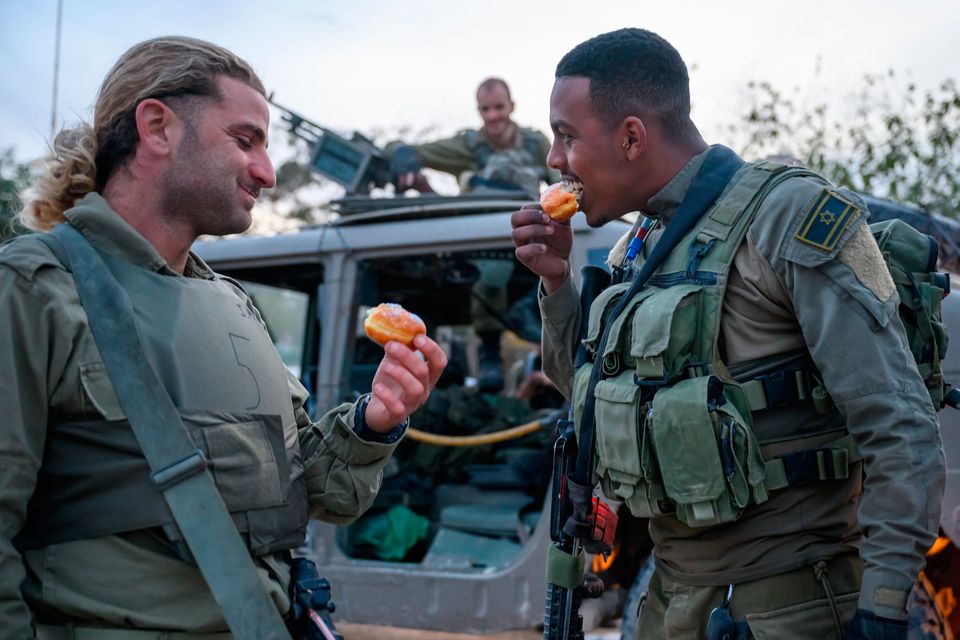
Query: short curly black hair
<point x="634" y="72"/>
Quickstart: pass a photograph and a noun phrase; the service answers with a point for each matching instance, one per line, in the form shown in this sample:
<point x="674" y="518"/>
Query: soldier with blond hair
<point x="104" y="533"/>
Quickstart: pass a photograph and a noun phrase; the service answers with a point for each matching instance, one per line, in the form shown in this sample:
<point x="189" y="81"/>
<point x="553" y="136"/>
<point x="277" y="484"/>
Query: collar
<point x="665" y="202"/>
<point x="106" y="230"/>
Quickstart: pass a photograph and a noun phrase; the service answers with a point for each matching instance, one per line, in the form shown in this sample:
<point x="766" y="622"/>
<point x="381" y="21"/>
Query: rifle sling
<point x="178" y="467"/>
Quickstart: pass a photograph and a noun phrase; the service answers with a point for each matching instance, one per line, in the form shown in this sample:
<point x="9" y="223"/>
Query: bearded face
<point x="220" y="164"/>
<point x="202" y="186"/>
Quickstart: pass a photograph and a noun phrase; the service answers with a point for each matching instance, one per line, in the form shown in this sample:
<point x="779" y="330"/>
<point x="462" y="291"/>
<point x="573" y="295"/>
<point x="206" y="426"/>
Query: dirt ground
<point x="373" y="632"/>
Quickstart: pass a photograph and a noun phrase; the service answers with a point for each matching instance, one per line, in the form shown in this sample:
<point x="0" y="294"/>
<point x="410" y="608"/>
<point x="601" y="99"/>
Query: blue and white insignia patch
<point x="827" y="219"/>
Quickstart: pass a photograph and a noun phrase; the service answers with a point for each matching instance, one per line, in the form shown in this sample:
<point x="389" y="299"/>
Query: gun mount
<point x="355" y="163"/>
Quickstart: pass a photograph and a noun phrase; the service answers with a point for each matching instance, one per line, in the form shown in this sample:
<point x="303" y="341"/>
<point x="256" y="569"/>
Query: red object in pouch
<point x="604" y="526"/>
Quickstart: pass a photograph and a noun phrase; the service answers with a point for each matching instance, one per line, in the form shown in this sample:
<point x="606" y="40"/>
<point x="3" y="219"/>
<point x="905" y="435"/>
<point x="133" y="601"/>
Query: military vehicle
<point x="457" y="538"/>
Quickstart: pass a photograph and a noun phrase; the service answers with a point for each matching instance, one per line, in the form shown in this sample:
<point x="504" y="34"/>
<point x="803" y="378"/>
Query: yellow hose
<point x="477" y="440"/>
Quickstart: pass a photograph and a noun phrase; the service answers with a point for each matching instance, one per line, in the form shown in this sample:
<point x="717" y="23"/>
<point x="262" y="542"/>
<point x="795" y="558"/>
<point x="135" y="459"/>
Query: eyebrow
<point x="556" y="124"/>
<point x="253" y="130"/>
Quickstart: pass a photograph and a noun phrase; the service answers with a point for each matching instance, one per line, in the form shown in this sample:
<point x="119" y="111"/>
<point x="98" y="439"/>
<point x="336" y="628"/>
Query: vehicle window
<point x="285" y="313"/>
<point x="458" y="507"/>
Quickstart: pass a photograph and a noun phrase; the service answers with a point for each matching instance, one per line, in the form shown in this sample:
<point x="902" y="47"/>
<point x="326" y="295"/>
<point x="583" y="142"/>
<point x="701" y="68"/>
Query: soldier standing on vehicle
<point x="772" y="330"/>
<point x="499" y="155"/>
<point x="88" y="545"/>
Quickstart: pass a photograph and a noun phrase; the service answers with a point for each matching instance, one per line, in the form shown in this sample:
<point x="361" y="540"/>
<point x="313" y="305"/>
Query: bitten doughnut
<point x="389" y="321"/>
<point x="559" y="201"/>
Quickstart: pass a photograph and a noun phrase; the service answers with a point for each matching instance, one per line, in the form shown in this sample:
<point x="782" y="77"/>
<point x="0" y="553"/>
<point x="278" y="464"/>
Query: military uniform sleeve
<point x="343" y="471"/>
<point x="817" y="241"/>
<point x="29" y="360"/>
<point x="561" y="325"/>
<point x="450" y="155"/>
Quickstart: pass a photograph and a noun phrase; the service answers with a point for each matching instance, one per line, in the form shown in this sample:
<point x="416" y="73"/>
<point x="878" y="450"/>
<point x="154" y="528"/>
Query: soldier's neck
<point x="172" y="237"/>
<point x="505" y="140"/>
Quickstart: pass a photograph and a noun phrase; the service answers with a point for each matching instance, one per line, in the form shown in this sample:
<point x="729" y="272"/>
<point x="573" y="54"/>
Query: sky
<point x="379" y="66"/>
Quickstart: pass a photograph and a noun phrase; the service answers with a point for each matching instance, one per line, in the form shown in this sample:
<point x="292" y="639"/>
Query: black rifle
<point x="310" y="603"/>
<point x="562" y="619"/>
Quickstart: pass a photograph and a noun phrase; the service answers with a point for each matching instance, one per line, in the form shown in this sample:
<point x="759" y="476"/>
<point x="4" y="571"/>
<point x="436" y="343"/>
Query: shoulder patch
<point x="824" y="223"/>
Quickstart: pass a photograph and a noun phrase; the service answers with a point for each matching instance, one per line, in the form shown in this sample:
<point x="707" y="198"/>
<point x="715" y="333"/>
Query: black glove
<point x="867" y="625"/>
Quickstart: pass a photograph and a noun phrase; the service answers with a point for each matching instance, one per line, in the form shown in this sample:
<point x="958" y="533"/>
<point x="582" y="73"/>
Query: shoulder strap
<point x="178" y="468"/>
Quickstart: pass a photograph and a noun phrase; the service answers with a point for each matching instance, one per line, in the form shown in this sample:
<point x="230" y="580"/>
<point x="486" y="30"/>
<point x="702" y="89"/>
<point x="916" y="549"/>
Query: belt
<point x="73" y="632"/>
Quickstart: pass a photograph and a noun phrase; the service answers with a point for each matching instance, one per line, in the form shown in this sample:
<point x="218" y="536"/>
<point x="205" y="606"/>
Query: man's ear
<point x="158" y="127"/>
<point x="633" y="134"/>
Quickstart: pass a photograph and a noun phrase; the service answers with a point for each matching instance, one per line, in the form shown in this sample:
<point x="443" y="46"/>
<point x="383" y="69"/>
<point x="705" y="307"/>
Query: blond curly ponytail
<point x="83" y="159"/>
<point x="70" y="173"/>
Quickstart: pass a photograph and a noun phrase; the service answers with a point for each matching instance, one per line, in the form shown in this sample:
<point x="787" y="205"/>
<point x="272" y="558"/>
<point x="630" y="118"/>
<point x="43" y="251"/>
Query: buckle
<point x="179" y="471"/>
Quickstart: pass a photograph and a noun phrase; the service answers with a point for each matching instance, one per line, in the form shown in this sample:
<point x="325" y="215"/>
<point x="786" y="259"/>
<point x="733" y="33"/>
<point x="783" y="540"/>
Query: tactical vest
<point x="482" y="150"/>
<point x="223" y="373"/>
<point x="674" y="430"/>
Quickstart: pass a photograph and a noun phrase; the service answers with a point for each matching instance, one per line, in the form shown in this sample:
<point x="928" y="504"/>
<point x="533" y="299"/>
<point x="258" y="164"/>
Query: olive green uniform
<point x="787" y="299"/>
<point x="134" y="579"/>
<point x="470" y="149"/>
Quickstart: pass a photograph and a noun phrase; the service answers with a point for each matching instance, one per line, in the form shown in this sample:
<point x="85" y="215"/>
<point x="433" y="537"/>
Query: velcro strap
<point x="563" y="569"/>
<point x="806" y="467"/>
<point x="778" y="389"/>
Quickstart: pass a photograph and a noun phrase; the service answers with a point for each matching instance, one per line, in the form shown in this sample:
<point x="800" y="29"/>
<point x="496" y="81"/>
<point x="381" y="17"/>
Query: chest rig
<point x="229" y="387"/>
<point x="482" y="150"/>
<point x="674" y="430"/>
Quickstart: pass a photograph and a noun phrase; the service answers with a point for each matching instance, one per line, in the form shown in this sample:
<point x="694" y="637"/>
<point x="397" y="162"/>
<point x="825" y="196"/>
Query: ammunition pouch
<point x="674" y="439"/>
<point x="692" y="452"/>
<point x="707" y="452"/>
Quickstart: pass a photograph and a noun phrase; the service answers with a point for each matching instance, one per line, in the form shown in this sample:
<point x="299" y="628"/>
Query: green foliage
<point x="893" y="140"/>
<point x="14" y="178"/>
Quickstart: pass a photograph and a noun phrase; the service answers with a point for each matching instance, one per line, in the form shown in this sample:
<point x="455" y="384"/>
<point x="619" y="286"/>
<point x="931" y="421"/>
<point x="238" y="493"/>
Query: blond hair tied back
<point x="70" y="173"/>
